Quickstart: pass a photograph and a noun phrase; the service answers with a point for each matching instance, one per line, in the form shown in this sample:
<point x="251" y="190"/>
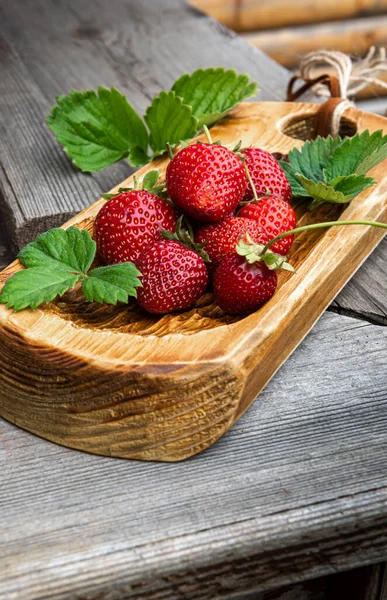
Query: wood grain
<point x="180" y="381"/>
<point x="248" y="15"/>
<point x="48" y="48"/>
<point x="297" y="489"/>
<point x="364" y="295"/>
<point x="287" y="45"/>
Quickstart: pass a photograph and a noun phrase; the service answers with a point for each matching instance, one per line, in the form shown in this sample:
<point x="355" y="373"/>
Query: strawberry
<point x="242" y="287"/>
<point x="173" y="277"/>
<point x="266" y="174"/>
<point x="221" y="239"/>
<point x="130" y="222"/>
<point x="206" y="181"/>
<point x="275" y="216"/>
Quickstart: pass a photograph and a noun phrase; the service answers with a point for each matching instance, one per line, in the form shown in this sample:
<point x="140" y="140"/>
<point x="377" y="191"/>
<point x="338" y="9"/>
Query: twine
<point x="352" y="76"/>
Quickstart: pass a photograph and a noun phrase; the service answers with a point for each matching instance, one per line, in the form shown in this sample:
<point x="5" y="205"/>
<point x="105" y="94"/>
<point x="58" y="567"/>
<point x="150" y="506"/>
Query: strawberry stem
<point x="251" y="182"/>
<point x="207" y="134"/>
<point x="318" y="226"/>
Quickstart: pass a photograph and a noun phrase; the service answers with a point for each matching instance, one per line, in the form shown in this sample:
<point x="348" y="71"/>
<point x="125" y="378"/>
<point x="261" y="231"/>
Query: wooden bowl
<point x="116" y="381"/>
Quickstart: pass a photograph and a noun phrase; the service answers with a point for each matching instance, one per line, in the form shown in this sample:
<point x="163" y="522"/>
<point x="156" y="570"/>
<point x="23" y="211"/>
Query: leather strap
<point x="324" y="116"/>
<point x="330" y="81"/>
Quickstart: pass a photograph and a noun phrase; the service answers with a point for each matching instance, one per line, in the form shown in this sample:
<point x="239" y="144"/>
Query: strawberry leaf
<point x="313" y="157"/>
<point x="297" y="189"/>
<point x="358" y="155"/>
<point x="138" y="157"/>
<point x="97" y="130"/>
<point x="111" y="284"/>
<point x="213" y="92"/>
<point x="334" y="169"/>
<point x="31" y="287"/>
<point x="352" y="185"/>
<point x="70" y="250"/>
<point x="322" y="192"/>
<point x="169" y="120"/>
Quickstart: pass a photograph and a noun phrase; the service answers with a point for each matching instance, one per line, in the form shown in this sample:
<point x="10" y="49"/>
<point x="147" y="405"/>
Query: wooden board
<point x="247" y="15"/>
<point x="288" y="45"/>
<point x="117" y="382"/>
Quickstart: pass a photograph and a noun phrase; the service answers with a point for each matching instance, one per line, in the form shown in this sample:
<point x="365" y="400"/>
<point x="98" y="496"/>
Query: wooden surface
<point x="246" y="15"/>
<point x="295" y="490"/>
<point x="180" y="381"/>
<point x="303" y="471"/>
<point x="355" y="36"/>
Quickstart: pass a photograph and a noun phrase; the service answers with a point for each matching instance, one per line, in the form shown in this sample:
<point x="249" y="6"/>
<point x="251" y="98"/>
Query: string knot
<point x="334" y="75"/>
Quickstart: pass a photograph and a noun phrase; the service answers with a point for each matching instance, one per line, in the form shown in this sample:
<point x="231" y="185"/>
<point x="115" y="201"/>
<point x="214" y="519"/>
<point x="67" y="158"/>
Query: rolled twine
<point x="349" y="78"/>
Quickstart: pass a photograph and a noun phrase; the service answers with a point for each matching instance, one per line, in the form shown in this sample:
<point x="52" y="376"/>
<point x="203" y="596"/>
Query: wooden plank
<point x="365" y="294"/>
<point x="287" y="45"/>
<point x="247" y="15"/>
<point x="296" y="490"/>
<point x="123" y="44"/>
<point x="375" y="105"/>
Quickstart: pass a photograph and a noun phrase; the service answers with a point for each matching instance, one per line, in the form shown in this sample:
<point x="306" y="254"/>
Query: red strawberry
<point x="222" y="238"/>
<point x="130" y="222"/>
<point x="206" y="181"/>
<point x="242" y="287"/>
<point x="275" y="216"/>
<point x="173" y="277"/>
<point x="266" y="174"/>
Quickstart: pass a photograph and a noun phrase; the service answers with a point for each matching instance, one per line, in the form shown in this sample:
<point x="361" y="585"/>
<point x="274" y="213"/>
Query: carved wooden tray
<point x="119" y="382"/>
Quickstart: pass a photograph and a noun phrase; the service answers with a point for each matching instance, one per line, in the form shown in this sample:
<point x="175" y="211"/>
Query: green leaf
<point x="322" y="192"/>
<point x="111" y="284"/>
<point x="313" y="157"/>
<point x="69" y="249"/>
<point x="31" y="287"/>
<point x="352" y="185"/>
<point x="138" y="157"/>
<point x="297" y="189"/>
<point x="357" y="155"/>
<point x="97" y="130"/>
<point x="213" y="92"/>
<point x="169" y="120"/>
<point x="150" y="180"/>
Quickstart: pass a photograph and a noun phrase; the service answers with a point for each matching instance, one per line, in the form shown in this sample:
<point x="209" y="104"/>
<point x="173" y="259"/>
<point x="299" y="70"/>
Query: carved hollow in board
<point x="119" y="382"/>
<point x="300" y="127"/>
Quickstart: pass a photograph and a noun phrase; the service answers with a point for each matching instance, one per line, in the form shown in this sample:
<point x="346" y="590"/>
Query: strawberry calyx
<point x="259" y="252"/>
<point x="149" y="183"/>
<point x="253" y="252"/>
<point x="184" y="235"/>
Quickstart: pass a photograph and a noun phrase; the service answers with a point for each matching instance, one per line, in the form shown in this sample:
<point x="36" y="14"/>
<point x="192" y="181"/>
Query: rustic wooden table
<point x="298" y="488"/>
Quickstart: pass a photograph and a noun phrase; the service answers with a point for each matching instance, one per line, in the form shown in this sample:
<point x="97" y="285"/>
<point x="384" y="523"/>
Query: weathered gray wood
<point x="377" y="105"/>
<point x="365" y="296"/>
<point x="51" y="47"/>
<point x="297" y="489"/>
<point x="6" y="256"/>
